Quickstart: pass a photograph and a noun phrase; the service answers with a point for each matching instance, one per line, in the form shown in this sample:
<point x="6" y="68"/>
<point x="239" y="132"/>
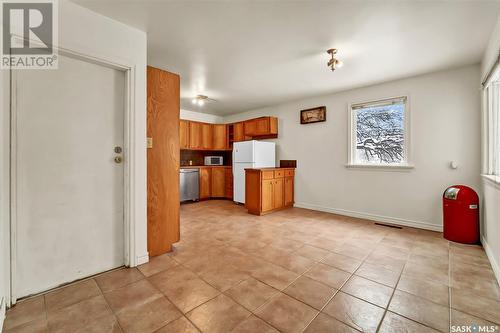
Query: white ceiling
<point x="250" y="54"/>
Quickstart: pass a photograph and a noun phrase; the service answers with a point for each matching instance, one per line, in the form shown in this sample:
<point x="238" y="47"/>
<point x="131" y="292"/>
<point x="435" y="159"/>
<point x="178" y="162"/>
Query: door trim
<point x="130" y="255"/>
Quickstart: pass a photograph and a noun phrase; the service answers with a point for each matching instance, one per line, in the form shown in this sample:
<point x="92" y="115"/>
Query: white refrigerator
<point x="250" y="154"/>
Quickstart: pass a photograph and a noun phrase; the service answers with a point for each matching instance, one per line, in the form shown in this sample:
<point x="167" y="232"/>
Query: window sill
<point x="400" y="167"/>
<point x="493" y="180"/>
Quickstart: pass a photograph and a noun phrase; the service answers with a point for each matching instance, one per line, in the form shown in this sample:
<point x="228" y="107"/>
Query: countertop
<point x="269" y="168"/>
<point x="204" y="166"/>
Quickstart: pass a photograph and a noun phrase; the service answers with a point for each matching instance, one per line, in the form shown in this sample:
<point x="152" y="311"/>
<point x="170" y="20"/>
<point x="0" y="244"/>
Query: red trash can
<point x="461" y="214"/>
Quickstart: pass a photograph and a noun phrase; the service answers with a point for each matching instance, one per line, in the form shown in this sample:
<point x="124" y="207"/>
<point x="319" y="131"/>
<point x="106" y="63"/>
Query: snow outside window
<point x="379" y="134"/>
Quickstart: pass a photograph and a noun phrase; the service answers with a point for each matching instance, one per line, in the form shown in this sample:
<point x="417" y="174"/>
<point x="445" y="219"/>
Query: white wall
<point x="84" y="31"/>
<point x="4" y="191"/>
<point x="491" y="196"/>
<point x="445" y="126"/>
<point x="199" y="116"/>
<point x="492" y="50"/>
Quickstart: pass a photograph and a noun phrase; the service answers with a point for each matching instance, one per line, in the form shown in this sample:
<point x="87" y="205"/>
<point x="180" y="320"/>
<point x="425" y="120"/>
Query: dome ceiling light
<point x="334" y="63"/>
<point x="200" y="100"/>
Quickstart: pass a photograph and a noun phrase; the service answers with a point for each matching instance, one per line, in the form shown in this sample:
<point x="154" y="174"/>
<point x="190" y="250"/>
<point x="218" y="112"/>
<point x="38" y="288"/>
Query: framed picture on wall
<point x="314" y="115"/>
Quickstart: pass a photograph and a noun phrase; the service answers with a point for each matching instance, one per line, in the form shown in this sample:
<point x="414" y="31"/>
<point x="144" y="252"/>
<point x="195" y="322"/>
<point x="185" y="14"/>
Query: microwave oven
<point x="213" y="160"/>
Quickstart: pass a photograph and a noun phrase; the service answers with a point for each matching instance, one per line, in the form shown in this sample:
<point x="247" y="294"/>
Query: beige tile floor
<point x="291" y="271"/>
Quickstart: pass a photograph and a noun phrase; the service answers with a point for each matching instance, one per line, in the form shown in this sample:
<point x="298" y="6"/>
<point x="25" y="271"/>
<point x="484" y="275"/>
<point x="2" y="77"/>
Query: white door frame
<point x="129" y="154"/>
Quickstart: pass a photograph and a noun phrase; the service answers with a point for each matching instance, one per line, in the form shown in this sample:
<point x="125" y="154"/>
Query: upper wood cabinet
<point x="264" y="127"/>
<point x="195" y="135"/>
<point x="239" y="131"/>
<point x="163" y="107"/>
<point x="206" y="136"/>
<point x="220" y="137"/>
<point x="184" y="134"/>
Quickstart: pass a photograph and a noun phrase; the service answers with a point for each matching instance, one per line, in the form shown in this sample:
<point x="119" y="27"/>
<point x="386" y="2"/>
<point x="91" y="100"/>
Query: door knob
<point x="118" y="159"/>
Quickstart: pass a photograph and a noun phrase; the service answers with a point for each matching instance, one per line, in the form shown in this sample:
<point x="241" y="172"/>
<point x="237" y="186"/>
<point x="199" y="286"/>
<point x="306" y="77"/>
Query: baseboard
<point x="373" y="217"/>
<point x="142" y="259"/>
<point x="2" y="312"/>
<point x="493" y="262"/>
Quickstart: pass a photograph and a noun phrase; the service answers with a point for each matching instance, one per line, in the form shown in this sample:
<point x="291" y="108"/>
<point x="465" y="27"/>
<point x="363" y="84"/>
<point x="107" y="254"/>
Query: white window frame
<point x="491" y="126"/>
<point x="351" y="163"/>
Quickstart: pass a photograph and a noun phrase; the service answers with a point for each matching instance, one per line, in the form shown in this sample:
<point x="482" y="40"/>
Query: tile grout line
<point x="109" y="306"/>
<point x="392" y="295"/>
<point x="211" y="285"/>
<point x="175" y="306"/>
<point x="335" y="293"/>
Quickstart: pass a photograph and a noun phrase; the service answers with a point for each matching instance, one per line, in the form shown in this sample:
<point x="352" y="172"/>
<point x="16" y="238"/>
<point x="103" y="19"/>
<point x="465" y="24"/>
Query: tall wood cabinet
<point x="269" y="189"/>
<point x="163" y="108"/>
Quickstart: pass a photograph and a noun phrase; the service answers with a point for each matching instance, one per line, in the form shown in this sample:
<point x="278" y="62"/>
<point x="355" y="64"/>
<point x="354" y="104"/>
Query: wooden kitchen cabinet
<point x="218" y="183"/>
<point x="239" y="132"/>
<point x="263" y="127"/>
<point x="278" y="193"/>
<point x="220" y="137"/>
<point x="206" y="136"/>
<point x="205" y="182"/>
<point x="163" y="108"/>
<point x="267" y="201"/>
<point x="228" y="175"/>
<point x="184" y="134"/>
<point x="268" y="189"/>
<point x="288" y="188"/>
<point x="195" y="135"/>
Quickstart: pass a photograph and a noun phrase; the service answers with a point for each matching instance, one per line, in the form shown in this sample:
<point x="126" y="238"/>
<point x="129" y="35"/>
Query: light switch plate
<point x="150" y="143"/>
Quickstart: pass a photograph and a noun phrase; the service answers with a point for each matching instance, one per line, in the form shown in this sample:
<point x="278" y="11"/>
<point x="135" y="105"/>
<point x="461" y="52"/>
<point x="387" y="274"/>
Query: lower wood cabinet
<point x="216" y="182"/>
<point x="268" y="189"/>
<point x="205" y="182"/>
<point x="228" y="173"/>
<point x="288" y="188"/>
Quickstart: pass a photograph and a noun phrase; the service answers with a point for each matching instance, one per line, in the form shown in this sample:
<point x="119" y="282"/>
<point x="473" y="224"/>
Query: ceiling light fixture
<point x="334" y="63"/>
<point x="200" y="100"/>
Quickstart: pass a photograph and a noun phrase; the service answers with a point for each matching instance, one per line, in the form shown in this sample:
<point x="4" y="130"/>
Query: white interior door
<point x="69" y="189"/>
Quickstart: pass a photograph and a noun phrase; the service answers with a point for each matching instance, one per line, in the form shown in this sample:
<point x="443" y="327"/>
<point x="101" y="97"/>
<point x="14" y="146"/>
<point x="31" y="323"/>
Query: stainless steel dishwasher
<point x="189" y="184"/>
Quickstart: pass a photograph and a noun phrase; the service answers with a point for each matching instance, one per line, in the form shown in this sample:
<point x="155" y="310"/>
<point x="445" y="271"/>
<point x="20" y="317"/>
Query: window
<point x="491" y="103"/>
<point x="379" y="133"/>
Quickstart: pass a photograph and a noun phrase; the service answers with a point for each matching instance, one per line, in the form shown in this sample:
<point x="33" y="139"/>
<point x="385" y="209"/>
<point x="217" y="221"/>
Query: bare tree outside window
<point x="380" y="132"/>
